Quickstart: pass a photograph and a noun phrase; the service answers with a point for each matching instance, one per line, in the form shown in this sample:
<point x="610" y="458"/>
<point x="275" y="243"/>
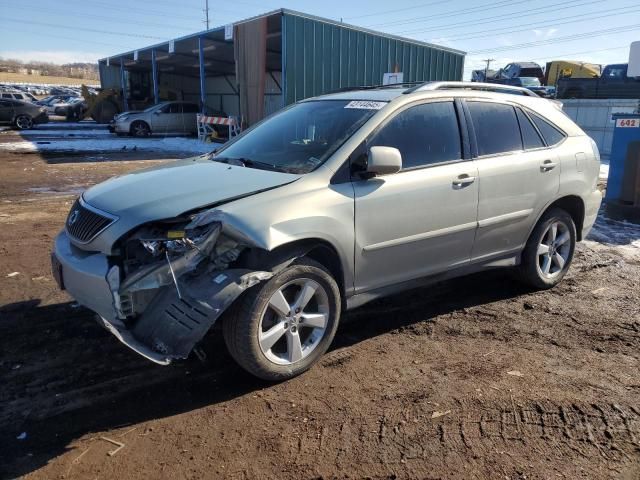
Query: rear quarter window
<point x="551" y="134"/>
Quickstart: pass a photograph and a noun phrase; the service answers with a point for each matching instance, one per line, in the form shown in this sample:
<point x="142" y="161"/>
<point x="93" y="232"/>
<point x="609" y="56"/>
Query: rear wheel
<point x="282" y="327"/>
<point x="549" y="250"/>
<point x="140" y="129"/>
<point x="24" y="122"/>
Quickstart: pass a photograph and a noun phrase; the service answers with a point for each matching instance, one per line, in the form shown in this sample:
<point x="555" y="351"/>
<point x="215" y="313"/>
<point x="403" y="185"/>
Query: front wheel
<point x="24" y="122"/>
<point x="140" y="129"/>
<point x="549" y="250"/>
<point x="282" y="327"/>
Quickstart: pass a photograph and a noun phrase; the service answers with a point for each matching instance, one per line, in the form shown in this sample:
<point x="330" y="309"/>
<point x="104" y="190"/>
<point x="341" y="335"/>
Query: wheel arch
<point x="574" y="206"/>
<point x="318" y="249"/>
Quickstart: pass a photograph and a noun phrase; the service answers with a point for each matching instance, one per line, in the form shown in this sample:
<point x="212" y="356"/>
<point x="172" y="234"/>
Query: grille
<point x="84" y="224"/>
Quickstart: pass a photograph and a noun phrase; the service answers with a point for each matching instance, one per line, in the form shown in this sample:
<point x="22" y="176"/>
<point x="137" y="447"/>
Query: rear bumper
<point x="591" y="209"/>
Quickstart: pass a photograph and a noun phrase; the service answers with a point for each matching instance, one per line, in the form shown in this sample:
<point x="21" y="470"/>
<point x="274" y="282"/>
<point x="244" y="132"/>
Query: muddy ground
<point x="472" y="378"/>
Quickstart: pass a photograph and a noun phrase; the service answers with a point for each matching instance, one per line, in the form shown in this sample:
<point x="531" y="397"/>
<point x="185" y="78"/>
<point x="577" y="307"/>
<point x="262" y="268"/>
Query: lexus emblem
<point x="73" y="218"/>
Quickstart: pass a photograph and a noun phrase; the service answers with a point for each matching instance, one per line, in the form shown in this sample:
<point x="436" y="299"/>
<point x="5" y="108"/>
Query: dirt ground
<point x="473" y="378"/>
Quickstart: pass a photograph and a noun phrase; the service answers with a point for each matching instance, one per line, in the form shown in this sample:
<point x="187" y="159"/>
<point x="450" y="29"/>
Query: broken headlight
<point x="179" y="241"/>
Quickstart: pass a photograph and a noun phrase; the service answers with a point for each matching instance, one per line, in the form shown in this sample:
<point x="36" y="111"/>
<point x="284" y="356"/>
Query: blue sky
<point x="598" y="31"/>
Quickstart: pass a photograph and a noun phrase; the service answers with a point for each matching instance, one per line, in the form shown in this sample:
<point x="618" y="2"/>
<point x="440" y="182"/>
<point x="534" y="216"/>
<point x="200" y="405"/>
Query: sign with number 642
<point x="628" y="123"/>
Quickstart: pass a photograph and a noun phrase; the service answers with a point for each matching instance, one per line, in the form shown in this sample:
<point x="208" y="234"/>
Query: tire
<point x="545" y="269"/>
<point x="140" y="129"/>
<point x="23" y="122"/>
<point x="260" y="311"/>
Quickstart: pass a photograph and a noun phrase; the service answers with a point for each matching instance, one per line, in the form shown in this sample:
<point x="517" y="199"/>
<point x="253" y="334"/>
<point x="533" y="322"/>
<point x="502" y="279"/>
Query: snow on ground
<point x="84" y="131"/>
<point x="68" y="126"/>
<point x="170" y="144"/>
<point x="620" y="235"/>
<point x="604" y="170"/>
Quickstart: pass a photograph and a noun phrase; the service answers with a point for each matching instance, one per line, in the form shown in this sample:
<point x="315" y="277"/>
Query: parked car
<point x="22" y="115"/>
<point x="17" y="95"/>
<point x="613" y="83"/>
<point x="54" y="99"/>
<point x="530" y="83"/>
<point x="328" y="204"/>
<point x="521" y="69"/>
<point x="73" y="108"/>
<point x="164" y="118"/>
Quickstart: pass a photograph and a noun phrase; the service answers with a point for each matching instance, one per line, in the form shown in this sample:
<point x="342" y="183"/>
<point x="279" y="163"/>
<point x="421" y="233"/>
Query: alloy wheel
<point x="294" y="321"/>
<point x="554" y="249"/>
<point x="23" y="122"/>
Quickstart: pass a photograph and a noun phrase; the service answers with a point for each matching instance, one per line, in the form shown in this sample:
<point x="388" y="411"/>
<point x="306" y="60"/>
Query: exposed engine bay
<point x="173" y="281"/>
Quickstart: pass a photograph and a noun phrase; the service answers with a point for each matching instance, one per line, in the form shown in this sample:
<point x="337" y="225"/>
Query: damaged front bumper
<point x="182" y="307"/>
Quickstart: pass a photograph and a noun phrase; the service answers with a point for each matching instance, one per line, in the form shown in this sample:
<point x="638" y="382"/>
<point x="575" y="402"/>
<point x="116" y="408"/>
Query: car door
<point x="421" y="220"/>
<point x="6" y="111"/>
<point x="189" y="114"/>
<point x="518" y="175"/>
<point x="162" y="118"/>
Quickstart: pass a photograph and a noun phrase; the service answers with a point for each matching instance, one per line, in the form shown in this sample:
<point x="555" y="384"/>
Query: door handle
<point x="547" y="166"/>
<point x="462" y="181"/>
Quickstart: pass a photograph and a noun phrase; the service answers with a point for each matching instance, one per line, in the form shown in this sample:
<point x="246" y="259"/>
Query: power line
<point x="505" y="16"/>
<point x="62" y="37"/>
<point x="586" y="52"/>
<point x="92" y="30"/>
<point x="564" y="55"/>
<point x="140" y="11"/>
<point x="568" y="38"/>
<point x="454" y="13"/>
<point x="545" y="25"/>
<point x="111" y="19"/>
<point x="400" y="9"/>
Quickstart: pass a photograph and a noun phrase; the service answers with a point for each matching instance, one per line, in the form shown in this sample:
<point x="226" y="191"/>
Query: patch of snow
<point x="68" y="125"/>
<point x="66" y="132"/>
<point x="604" y="170"/>
<point x="54" y="191"/>
<point x="173" y="144"/>
<point x="620" y="235"/>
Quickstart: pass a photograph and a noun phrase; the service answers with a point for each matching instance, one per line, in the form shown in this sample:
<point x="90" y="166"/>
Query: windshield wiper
<point x="246" y="162"/>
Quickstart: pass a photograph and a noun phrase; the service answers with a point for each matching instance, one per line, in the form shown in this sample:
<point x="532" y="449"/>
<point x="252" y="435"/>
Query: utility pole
<point x="206" y="13"/>
<point x="486" y="69"/>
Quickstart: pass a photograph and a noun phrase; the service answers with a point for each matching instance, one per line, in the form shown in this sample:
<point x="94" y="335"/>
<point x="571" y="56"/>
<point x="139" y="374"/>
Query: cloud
<point x="544" y="33"/>
<point x="53" y="56"/>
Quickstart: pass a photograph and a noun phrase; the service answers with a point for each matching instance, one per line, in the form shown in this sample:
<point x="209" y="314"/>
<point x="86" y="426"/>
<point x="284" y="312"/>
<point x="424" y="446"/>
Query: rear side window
<point x="424" y="134"/>
<point x="551" y="134"/>
<point x="530" y="137"/>
<point x="496" y="128"/>
<point x="7" y="95"/>
<point x="191" y="108"/>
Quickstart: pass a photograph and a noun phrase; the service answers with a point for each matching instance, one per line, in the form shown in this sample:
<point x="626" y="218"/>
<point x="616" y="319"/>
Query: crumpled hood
<point x="169" y="190"/>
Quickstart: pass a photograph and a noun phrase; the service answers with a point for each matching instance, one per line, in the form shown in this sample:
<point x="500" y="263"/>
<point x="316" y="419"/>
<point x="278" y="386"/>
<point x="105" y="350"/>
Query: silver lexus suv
<point x="324" y="206"/>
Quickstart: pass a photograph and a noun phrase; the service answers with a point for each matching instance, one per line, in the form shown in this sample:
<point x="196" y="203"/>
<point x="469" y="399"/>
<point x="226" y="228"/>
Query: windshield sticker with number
<point x="365" y="105"/>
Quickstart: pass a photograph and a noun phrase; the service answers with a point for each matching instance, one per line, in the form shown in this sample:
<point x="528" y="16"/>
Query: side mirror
<point x="384" y="161"/>
<point x="157" y="112"/>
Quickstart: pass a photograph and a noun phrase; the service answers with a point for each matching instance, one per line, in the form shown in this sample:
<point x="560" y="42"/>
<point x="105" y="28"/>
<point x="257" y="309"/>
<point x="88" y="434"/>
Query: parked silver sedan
<point x="164" y="118"/>
<point x="329" y="204"/>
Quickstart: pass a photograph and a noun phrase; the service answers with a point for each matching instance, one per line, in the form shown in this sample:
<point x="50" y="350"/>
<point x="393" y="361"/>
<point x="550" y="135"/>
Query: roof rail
<point x="487" y="87"/>
<point x="377" y="87"/>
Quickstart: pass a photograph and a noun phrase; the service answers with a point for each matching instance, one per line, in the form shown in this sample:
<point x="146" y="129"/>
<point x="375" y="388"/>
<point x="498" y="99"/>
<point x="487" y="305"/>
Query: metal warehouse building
<point x="256" y="66"/>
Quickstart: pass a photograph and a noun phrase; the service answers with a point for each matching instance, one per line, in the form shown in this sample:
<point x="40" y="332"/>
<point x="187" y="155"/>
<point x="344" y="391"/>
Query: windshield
<point x="529" y="81"/>
<point x="300" y="138"/>
<point x="154" y="107"/>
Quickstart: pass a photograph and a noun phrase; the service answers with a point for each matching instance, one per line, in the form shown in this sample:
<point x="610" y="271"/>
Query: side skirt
<point x="502" y="261"/>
